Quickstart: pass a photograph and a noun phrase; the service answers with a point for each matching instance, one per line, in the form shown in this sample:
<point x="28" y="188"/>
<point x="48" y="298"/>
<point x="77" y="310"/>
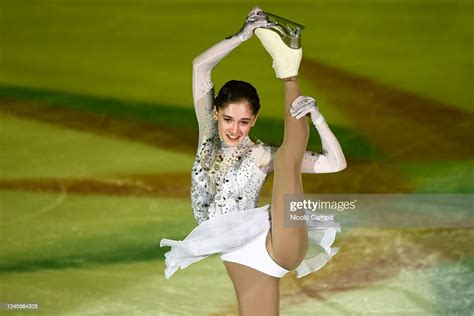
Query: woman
<point x="229" y="171"/>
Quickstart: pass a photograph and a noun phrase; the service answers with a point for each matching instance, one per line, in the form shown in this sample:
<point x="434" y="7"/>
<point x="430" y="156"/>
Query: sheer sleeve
<point x="331" y="159"/>
<point x="203" y="88"/>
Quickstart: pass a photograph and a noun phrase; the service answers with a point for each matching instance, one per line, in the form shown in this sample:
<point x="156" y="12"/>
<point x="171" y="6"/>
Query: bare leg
<point x="257" y="293"/>
<point x="288" y="245"/>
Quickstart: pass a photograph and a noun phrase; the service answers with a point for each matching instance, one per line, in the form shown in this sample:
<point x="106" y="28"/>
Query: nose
<point x="235" y="128"/>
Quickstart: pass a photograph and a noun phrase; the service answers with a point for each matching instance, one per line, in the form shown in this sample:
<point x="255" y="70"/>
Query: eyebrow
<point x="244" y="119"/>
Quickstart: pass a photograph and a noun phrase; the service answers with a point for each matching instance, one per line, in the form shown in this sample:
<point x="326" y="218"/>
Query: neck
<point x="242" y="143"/>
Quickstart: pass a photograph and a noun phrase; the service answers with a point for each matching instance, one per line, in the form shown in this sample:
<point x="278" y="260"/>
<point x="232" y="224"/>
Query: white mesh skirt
<point x="225" y="233"/>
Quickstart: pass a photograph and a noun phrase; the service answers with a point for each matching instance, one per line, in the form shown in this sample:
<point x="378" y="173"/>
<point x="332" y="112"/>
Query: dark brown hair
<point x="235" y="91"/>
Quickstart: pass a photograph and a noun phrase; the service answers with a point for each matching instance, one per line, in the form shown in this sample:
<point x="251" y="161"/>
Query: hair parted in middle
<point x="235" y="91"/>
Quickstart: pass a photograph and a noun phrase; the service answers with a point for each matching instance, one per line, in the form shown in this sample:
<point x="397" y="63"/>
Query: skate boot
<point x="286" y="61"/>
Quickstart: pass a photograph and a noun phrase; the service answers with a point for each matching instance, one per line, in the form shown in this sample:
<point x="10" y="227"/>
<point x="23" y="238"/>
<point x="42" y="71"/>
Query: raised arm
<point x="331" y="159"/>
<point x="203" y="88"/>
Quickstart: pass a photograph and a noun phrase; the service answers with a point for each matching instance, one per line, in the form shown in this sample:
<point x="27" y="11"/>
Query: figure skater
<point x="229" y="170"/>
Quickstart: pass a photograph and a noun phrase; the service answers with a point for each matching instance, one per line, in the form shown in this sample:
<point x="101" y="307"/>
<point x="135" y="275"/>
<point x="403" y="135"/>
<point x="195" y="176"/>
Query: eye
<point x="227" y="120"/>
<point x="245" y="123"/>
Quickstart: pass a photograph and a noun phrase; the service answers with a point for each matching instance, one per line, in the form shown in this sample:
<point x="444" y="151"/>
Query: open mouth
<point x="233" y="138"/>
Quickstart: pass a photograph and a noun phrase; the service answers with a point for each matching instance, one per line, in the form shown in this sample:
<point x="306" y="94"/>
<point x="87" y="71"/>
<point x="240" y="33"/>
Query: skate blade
<point x="289" y="31"/>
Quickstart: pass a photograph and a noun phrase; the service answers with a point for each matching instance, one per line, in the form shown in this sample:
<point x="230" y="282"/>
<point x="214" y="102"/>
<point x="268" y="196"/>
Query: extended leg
<point x="288" y="245"/>
<point x="258" y="293"/>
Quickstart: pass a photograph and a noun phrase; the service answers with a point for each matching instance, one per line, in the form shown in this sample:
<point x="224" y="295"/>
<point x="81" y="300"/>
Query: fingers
<point x="256" y="22"/>
<point x="301" y="112"/>
<point x="259" y="23"/>
<point x="254" y="11"/>
<point x="302" y="106"/>
<point x="257" y="17"/>
<point x="306" y="103"/>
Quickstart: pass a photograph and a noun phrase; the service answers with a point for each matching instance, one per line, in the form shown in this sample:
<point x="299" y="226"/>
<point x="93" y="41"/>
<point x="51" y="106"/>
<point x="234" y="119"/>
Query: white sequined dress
<point x="226" y="182"/>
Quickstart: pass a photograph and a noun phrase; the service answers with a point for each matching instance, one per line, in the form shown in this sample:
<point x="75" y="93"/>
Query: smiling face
<point x="234" y="122"/>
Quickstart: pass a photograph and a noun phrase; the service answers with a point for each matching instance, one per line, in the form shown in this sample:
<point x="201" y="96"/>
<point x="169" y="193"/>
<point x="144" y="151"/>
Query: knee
<point x="291" y="262"/>
<point x="291" y="258"/>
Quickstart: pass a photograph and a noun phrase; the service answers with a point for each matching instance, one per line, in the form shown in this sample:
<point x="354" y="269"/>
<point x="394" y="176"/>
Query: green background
<point x="98" y="135"/>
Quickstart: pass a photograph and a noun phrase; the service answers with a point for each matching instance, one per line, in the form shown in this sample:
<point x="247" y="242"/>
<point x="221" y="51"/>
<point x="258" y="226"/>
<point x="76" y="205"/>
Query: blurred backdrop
<point x="98" y="136"/>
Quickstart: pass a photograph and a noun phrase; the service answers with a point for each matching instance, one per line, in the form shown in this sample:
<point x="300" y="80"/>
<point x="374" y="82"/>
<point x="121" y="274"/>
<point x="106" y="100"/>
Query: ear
<point x="214" y="113"/>
<point x="255" y="120"/>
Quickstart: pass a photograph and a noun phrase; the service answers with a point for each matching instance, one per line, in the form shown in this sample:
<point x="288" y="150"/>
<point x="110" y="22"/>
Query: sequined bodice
<point x="226" y="179"/>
